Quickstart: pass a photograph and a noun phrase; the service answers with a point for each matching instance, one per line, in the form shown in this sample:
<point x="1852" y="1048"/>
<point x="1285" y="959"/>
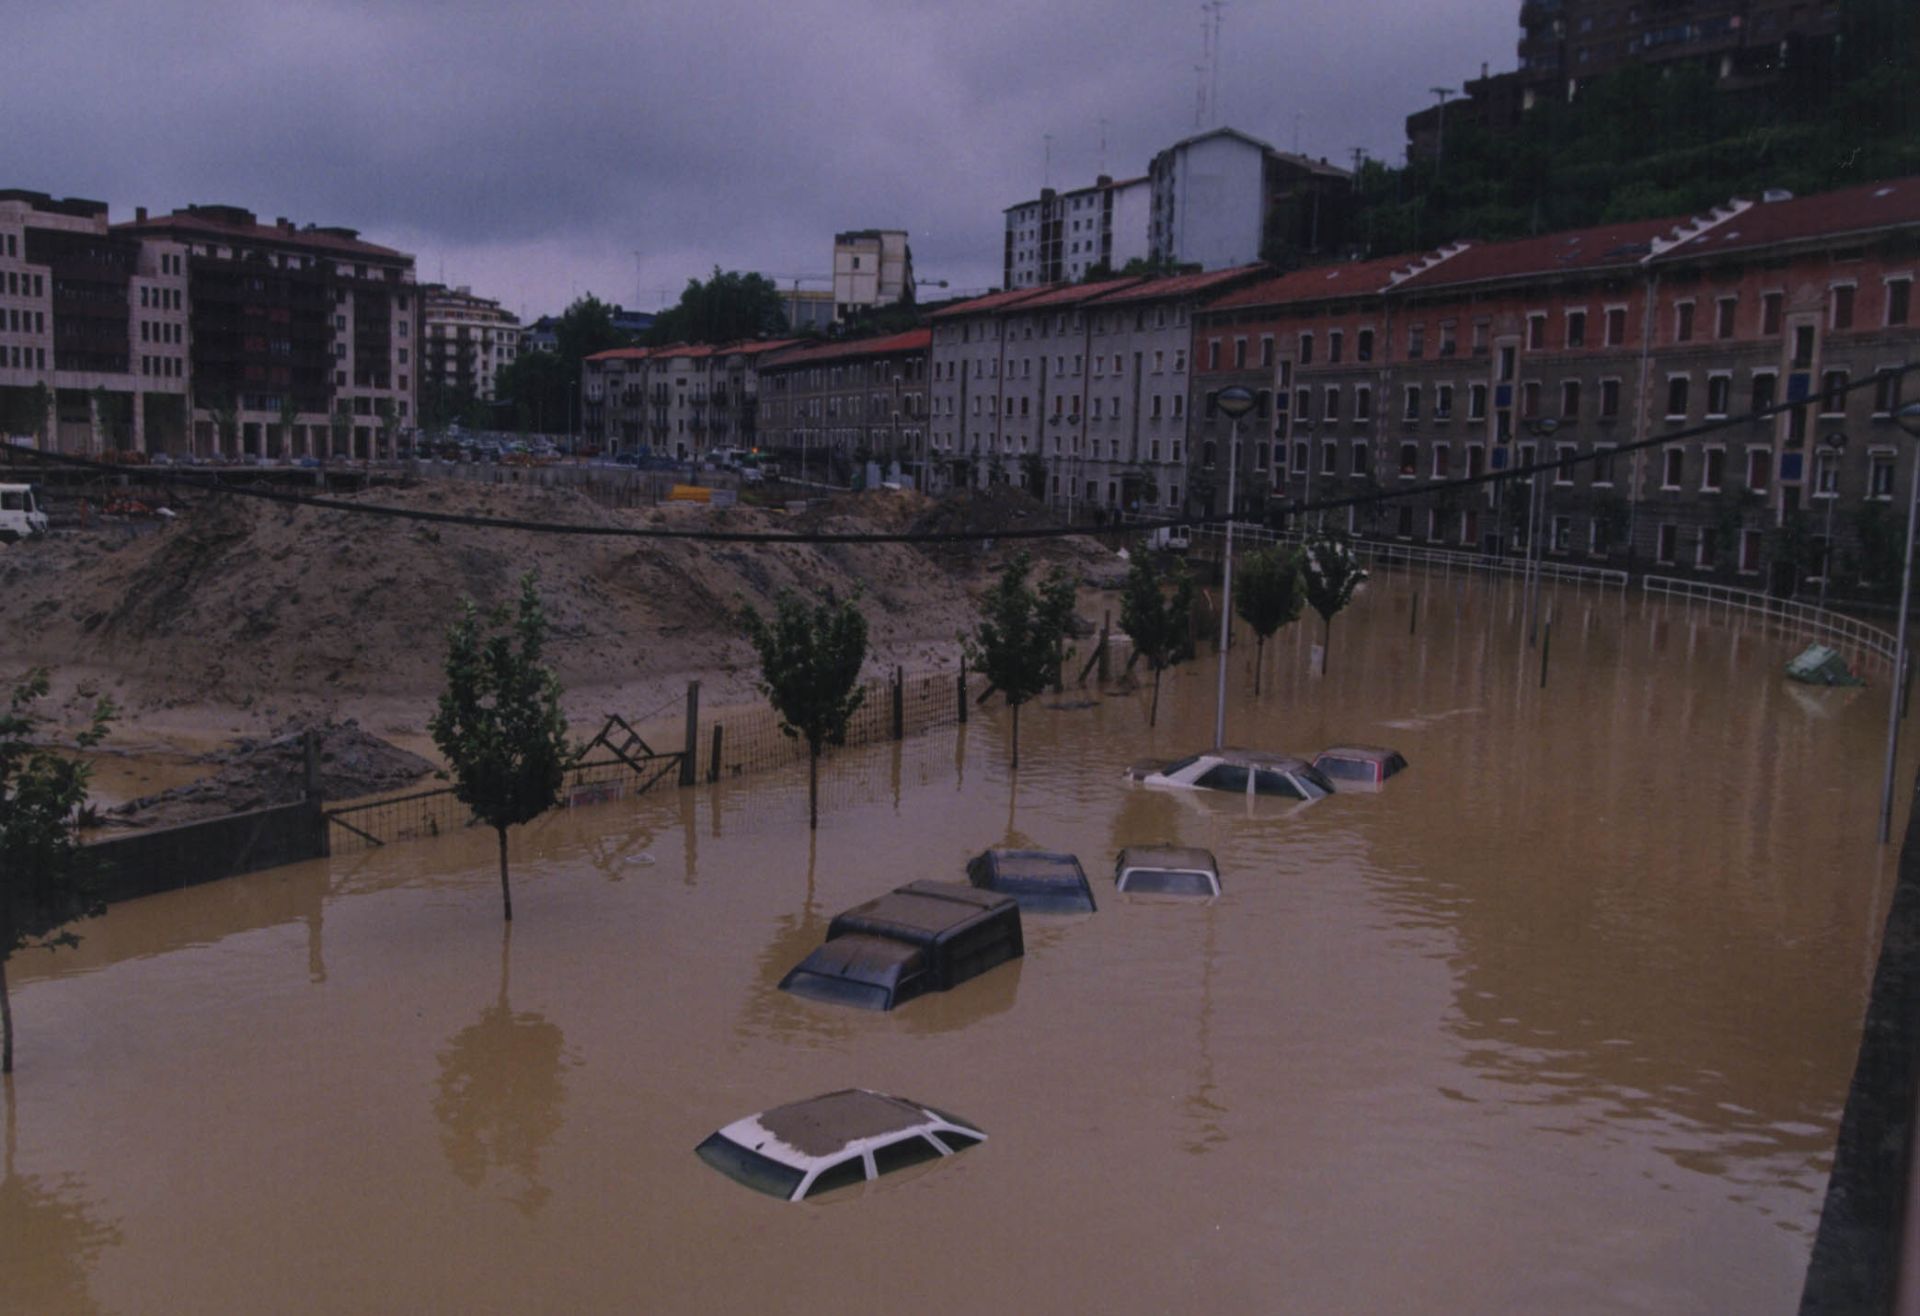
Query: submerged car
<point x="1166" y="870"/>
<point x="1238" y="772"/>
<point x="1042" y="881"/>
<point x="807" y="1148"/>
<point x="922" y="937"/>
<point x="1359" y="767"/>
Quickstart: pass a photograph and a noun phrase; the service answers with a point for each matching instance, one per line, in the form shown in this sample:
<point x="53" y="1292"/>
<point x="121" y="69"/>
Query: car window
<point x="1180" y="765"/>
<point x="1268" y="782"/>
<point x="1166" y="882"/>
<point x="1394" y="763"/>
<point x="853" y="1170"/>
<point x="1346" y="769"/>
<point x="744" y="1165"/>
<point x="956" y="1140"/>
<point x="838" y="991"/>
<point x="1313" y="783"/>
<point x="1224" y="777"/>
<point x="899" y="1155"/>
<point x="12" y="502"/>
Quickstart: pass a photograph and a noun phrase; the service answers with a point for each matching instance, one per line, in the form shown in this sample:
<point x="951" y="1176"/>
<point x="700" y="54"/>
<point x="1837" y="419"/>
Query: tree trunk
<point x="813" y="789"/>
<point x="506" y="892"/>
<point x="1016" y="737"/>
<point x="1259" y="654"/>
<point x="6" y="1024"/>
<point x="1153" y="710"/>
<point x="1326" y="642"/>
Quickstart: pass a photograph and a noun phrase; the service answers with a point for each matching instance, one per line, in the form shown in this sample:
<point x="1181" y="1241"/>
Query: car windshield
<point x="744" y="1165"/>
<point x="1165" y="882"/>
<point x="1179" y="765"/>
<point x="1315" y="783"/>
<point x="838" y="991"/>
<point x="1224" y="777"/>
<point x="1268" y="782"/>
<point x="1346" y="769"/>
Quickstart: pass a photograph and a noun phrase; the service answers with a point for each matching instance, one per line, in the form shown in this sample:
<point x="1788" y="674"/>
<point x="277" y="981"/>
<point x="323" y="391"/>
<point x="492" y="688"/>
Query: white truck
<point x="21" y="516"/>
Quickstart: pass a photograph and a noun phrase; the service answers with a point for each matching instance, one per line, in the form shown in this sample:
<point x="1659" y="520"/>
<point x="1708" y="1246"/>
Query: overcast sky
<point x="537" y="151"/>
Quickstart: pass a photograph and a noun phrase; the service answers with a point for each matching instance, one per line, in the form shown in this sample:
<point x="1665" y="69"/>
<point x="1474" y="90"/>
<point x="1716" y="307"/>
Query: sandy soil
<point x="242" y="618"/>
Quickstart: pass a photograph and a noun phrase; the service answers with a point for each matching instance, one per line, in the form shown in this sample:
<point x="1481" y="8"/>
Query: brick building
<point x="682" y="401"/>
<point x="829" y="409"/>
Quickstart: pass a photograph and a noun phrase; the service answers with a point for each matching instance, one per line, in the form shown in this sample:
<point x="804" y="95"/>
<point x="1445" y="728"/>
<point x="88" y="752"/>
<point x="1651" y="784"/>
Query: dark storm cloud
<point x="532" y="150"/>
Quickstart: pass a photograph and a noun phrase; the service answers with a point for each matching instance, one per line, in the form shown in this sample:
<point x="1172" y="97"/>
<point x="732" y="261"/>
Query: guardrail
<point x="1802" y="618"/>
<point x="1385" y="555"/>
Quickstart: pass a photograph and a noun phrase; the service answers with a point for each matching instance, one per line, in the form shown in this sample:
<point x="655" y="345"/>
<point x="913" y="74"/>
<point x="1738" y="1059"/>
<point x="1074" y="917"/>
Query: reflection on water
<point x="1560" y="1020"/>
<point x="50" y="1233"/>
<point x="500" y="1093"/>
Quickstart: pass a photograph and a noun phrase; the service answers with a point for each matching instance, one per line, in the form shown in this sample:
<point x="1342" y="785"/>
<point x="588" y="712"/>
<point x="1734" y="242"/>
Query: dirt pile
<point x="255" y="774"/>
<point x="261" y="612"/>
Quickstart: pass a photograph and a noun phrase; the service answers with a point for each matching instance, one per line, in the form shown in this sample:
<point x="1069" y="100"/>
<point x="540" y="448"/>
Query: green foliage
<point x="810" y="658"/>
<point x="43" y="885"/>
<point x="1153" y="619"/>
<point x="1873" y="561"/>
<point x="1611" y="514"/>
<point x="1268" y="590"/>
<point x="340" y="426"/>
<point x="498" y="724"/>
<point x="1033" y="470"/>
<point x="1331" y="572"/>
<point x="541" y="389"/>
<point x="727" y="307"/>
<point x="1017" y="645"/>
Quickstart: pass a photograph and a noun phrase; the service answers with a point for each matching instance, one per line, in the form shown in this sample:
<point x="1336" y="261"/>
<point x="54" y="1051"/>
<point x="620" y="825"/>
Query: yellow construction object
<point x="689" y="493"/>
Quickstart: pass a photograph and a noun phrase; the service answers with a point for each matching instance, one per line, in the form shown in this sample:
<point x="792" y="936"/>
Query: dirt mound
<point x="257" y="773"/>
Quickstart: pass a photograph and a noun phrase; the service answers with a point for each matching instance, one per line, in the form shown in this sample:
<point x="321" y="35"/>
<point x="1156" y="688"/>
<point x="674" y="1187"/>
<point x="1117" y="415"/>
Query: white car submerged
<point x="1237" y="772"/>
<point x="807" y="1148"/>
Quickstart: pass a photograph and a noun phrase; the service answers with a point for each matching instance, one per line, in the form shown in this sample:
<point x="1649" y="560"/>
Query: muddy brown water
<point x="1562" y="1021"/>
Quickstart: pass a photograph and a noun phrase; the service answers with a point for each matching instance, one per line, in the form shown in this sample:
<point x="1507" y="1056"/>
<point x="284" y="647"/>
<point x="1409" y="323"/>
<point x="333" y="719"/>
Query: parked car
<point x="1042" y="881"/>
<point x="1166" y="870"/>
<point x="22" y="515"/>
<point x="1238" y="772"/>
<point x="922" y="937"/>
<point x="807" y="1148"/>
<point x="1359" y="767"/>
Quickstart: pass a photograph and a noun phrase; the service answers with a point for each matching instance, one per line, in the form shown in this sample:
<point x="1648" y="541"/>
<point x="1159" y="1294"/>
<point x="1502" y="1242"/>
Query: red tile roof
<point x="1602" y="247"/>
<point x="188" y="226"/>
<point x="621" y="354"/>
<point x="913" y="340"/>
<point x="993" y="301"/>
<point x="1318" y="283"/>
<point x="1180" y="285"/>
<point x="1072" y="294"/>
<point x="1870" y="206"/>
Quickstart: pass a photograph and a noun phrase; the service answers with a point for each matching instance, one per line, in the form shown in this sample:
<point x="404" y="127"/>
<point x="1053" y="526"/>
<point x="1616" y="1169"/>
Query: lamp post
<point x="1834" y="443"/>
<point x="1542" y="428"/>
<point x="1234" y="403"/>
<point x="1908" y="418"/>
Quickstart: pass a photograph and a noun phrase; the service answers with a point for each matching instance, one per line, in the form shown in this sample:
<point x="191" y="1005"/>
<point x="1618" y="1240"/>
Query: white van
<point x="21" y="516"/>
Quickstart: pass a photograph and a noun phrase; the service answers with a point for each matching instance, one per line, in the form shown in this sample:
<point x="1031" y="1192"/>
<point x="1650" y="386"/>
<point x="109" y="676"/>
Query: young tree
<point x="40" y="401"/>
<point x="726" y="307"/>
<point x="289" y="417"/>
<point x="1017" y="644"/>
<point x="1331" y="572"/>
<point x="499" y="722"/>
<point x="810" y="658"/>
<point x="43" y="885"/>
<point x="226" y="424"/>
<point x="1156" y="621"/>
<point x="1268" y="594"/>
<point x="340" y="428"/>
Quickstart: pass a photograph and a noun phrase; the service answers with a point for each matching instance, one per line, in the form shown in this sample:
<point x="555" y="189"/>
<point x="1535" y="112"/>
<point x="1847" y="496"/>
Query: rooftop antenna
<point x="1046" y="169"/>
<point x="1103" y="146"/>
<point x="1216" y="10"/>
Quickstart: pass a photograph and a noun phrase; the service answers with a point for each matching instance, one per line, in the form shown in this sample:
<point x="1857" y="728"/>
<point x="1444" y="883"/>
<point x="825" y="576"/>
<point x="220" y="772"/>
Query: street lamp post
<point x="1233" y="402"/>
<point x="1542" y="429"/>
<point x="1834" y="444"/>
<point x="1908" y="418"/>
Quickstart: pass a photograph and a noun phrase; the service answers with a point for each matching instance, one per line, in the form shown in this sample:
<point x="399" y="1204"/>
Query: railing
<point x="1385" y="555"/>
<point x="1799" y="618"/>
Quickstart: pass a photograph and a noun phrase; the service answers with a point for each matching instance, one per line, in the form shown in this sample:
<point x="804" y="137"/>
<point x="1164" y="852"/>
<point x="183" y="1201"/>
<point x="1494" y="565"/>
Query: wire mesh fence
<point x="891" y="707"/>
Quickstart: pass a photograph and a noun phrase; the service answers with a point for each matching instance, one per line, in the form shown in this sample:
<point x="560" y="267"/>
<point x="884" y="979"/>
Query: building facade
<point x="871" y="267"/>
<point x="681" y="401"/>
<point x="465" y="342"/>
<point x="1065" y="235"/>
<point x="828" y="410"/>
<point x="1223" y="199"/>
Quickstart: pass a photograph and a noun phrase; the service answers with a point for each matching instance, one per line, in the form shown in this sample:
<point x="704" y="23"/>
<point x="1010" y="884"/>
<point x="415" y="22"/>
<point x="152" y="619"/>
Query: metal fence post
<point x="689" y="765"/>
<point x="899" y="703"/>
<point x="962" y="696"/>
<point x="713" y="764"/>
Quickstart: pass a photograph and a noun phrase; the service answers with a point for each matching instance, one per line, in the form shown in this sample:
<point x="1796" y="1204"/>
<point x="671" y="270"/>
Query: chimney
<point x="139" y="214"/>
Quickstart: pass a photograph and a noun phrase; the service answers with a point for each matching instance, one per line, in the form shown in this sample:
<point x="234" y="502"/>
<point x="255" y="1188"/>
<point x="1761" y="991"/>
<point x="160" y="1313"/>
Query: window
<point x="1413" y="402"/>
<point x="1300" y="458"/>
<point x="1509" y="356"/>
<point x="1603" y="465"/>
<point x="1266" y="353"/>
<point x="1443" y="402"/>
<point x="1899" y="300"/>
<point x="1763" y="386"/>
<point x="1329" y="459"/>
<point x="1239" y="355"/>
<point x="1336" y="342"/>
<point x="1826" y="473"/>
<point x="1673" y="467"/>
<point x="1759" y="469"/>
<point x="1880" y="475"/>
<point x="1476" y="402"/>
<point x="1665" y="542"/>
<point x="1713" y="470"/>
<point x="1719" y="389"/>
<point x="1303" y="404"/>
<point x="1416" y="341"/>
<point x="1333" y="404"/>
<point x="1449" y="346"/>
<point x="1563" y="472"/>
<point x="1576" y="328"/>
<point x="1683" y="322"/>
<point x="1616" y="326"/>
<point x="851" y="1171"/>
<point x="1724" y="310"/>
<point x="1213" y="356"/>
<point x="1771" y="305"/>
<point x="1359" y="458"/>
<point x="1609" y="399"/>
<point x="1570" y="399"/>
<point x="1842" y="306"/>
<point x="1363" y="345"/>
<point x="1306" y="349"/>
<point x="1440" y="460"/>
<point x="1536" y="331"/>
<point x="1886" y="392"/>
<point x="1677" y="397"/>
<point x="1833" y="393"/>
<point x="1409" y="460"/>
<point x="1363" y="403"/>
<point x="1802" y="346"/>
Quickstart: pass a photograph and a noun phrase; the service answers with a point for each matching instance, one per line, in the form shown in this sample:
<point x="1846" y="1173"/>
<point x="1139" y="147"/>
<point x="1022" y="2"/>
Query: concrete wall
<point x="174" y="857"/>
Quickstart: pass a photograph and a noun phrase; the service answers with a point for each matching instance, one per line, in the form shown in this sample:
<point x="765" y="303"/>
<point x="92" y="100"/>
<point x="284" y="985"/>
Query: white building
<point x="871" y="267"/>
<point x="1222" y="198"/>
<point x="466" y="341"/>
<point x="1065" y="235"/>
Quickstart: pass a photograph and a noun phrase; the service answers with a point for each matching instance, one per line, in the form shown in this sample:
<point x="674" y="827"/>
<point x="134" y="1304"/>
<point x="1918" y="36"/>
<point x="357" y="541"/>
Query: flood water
<point x="1562" y="1021"/>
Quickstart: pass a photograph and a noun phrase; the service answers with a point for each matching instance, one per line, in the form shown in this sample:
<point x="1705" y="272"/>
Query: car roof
<point x="859" y="956"/>
<point x="803" y="1133"/>
<point x="1257" y="758"/>
<point x="1035" y="866"/>
<point x="1375" y="753"/>
<point x="925" y="908"/>
<point x="1168" y="856"/>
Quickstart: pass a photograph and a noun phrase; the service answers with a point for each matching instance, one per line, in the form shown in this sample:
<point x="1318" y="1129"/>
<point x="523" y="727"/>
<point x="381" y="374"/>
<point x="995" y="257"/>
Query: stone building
<point x="829" y="409"/>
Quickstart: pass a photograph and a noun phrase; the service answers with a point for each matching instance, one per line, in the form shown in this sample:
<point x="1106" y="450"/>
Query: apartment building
<point x="1494" y="356"/>
<point x="288" y="327"/>
<point x="832" y="408"/>
<point x="1064" y="235"/>
<point x="93" y="329"/>
<point x="1223" y="198"/>
<point x="682" y="401"/>
<point x="1565" y="42"/>
<point x="871" y="267"/>
<point x="465" y="342"/>
<point x="1075" y="392"/>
